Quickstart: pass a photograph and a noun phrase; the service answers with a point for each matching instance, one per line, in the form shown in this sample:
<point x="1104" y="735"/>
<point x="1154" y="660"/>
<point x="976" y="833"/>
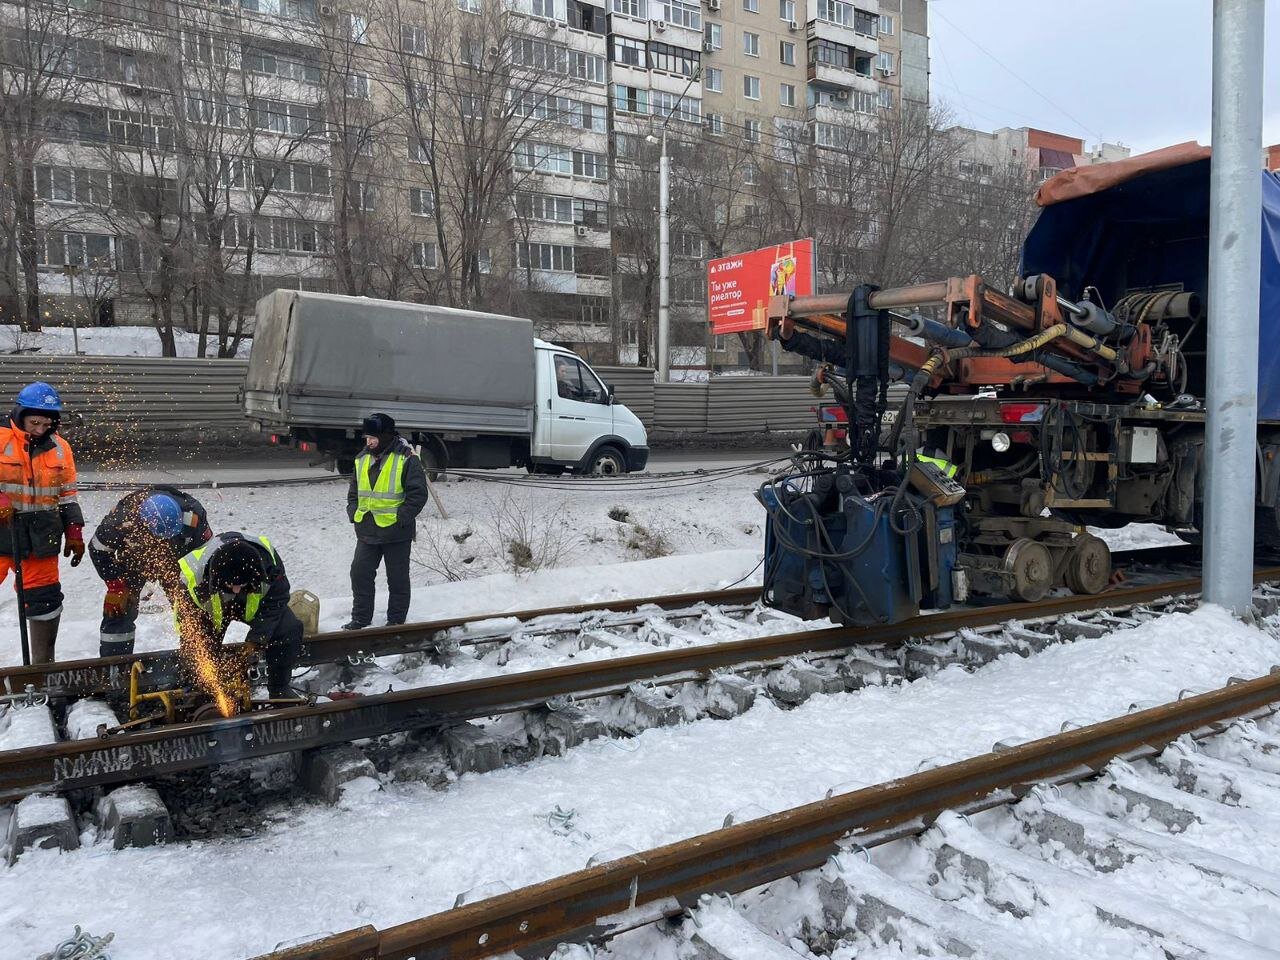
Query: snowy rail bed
<point x="393" y="850"/>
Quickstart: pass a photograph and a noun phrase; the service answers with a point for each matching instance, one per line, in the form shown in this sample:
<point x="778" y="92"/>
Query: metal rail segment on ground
<point x="131" y="757"/>
<point x="103" y="675"/>
<point x="619" y="895"/>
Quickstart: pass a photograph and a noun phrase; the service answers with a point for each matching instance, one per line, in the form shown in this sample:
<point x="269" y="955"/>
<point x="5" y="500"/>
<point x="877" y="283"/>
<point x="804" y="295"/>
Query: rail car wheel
<point x="1032" y="568"/>
<point x="1088" y="565"/>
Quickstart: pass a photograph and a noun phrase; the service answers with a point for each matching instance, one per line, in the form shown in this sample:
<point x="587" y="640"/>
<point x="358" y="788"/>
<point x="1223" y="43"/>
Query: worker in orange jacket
<point x="38" y="510"/>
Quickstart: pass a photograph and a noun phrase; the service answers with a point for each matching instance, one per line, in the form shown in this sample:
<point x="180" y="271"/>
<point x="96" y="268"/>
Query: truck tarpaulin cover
<point x="425" y="365"/>
<point x="1145" y="223"/>
<point x="739" y="285"/>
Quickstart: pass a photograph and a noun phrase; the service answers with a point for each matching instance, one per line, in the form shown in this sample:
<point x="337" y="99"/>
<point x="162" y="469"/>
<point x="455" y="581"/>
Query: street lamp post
<point x="664" y="239"/>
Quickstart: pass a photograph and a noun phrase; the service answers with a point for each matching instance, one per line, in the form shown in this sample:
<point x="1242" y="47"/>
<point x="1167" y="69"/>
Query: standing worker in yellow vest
<point x="388" y="490"/>
<point x="232" y="577"/>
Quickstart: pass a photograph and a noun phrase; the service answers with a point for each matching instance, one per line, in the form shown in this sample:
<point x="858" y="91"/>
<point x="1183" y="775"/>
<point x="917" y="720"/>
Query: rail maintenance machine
<point x="1029" y="414"/>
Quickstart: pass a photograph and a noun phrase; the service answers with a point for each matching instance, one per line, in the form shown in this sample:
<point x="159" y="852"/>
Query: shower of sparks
<point x="202" y="655"/>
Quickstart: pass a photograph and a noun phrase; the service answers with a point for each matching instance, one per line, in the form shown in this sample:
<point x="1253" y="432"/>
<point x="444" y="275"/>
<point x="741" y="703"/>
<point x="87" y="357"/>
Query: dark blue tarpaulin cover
<point x="1151" y="231"/>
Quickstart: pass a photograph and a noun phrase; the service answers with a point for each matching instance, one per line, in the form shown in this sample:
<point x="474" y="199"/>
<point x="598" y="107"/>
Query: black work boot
<point x="42" y="635"/>
<point x="116" y="647"/>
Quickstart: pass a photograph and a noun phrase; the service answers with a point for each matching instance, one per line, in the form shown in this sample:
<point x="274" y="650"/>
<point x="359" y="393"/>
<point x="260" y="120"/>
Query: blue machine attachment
<point x="854" y="555"/>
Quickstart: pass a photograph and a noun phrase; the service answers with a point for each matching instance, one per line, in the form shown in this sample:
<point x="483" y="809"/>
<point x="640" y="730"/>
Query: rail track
<point x="603" y="901"/>
<point x="130" y="757"/>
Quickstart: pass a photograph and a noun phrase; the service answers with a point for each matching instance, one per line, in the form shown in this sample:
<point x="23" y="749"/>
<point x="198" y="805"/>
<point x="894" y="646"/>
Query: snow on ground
<point x="405" y="851"/>
<point x="686" y="539"/>
<point x="100" y="341"/>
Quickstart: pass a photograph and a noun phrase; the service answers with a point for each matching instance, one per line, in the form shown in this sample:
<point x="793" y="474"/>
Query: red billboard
<point x="739" y="285"/>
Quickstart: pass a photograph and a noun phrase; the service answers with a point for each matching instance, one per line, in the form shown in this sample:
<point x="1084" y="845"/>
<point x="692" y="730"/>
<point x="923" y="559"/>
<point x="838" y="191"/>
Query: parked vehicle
<point x="474" y="390"/>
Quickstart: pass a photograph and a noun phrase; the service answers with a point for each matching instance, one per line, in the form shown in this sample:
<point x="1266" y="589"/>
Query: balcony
<point x="843" y="78"/>
<point x="848" y="36"/>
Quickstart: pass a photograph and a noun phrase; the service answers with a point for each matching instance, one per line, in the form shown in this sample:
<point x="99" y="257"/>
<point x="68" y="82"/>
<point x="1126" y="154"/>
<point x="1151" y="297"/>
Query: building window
<point x="715" y="124"/>
<point x="886" y="24"/>
<point x="750" y="176"/>
<point x="555" y="257"/>
<point x="593" y="310"/>
<point x="424" y="255"/>
<point x="750" y="43"/>
<point x="484" y="260"/>
<point x="836" y="11"/>
<point x="548" y="208"/>
<point x="358" y="86"/>
<point x="681" y="13"/>
<point x="422" y="202"/>
<point x="419" y="150"/>
<point x="591" y="213"/>
<point x="864" y="102"/>
<point x="713" y="36"/>
<point x="632" y="8"/>
<point x="628" y="51"/>
<point x="840" y="56"/>
<point x="751" y="131"/>
<point x="663" y="56"/>
<point x="357" y="28"/>
<point x="413" y="39"/>
<point x="886" y="98"/>
<point x="787" y="53"/>
<point x="469" y="6"/>
<point x="750" y="87"/>
<point x="588" y="164"/>
<point x="787" y="10"/>
<point x="586" y="66"/>
<point x="884" y="60"/>
<point x="667" y="104"/>
<point x="362" y="196"/>
<point x="630" y="99"/>
<point x="547" y="10"/>
<point x="714" y="80"/>
<point x="94" y="250"/>
<point x="787" y="94"/>
<point x="751" y="6"/>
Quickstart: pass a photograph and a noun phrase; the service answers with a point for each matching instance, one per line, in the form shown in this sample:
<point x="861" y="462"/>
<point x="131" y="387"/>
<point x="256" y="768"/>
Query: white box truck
<point x="472" y="389"/>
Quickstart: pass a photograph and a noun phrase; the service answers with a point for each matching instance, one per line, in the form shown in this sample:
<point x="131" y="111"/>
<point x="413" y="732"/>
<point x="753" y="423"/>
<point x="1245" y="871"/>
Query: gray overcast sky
<point x="1134" y="71"/>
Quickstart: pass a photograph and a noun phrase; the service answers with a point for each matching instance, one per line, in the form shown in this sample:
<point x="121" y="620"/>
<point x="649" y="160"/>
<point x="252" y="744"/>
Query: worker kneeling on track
<point x="140" y="541"/>
<point x="38" y="509"/>
<point x="231" y="578"/>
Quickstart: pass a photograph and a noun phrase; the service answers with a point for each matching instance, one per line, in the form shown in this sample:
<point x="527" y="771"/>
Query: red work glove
<point x="6" y="509"/>
<point x="116" y="603"/>
<point x="75" y="544"/>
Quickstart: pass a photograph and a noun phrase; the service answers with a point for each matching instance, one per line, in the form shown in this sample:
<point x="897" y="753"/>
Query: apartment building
<point x="327" y="133"/>
<point x="1041" y="153"/>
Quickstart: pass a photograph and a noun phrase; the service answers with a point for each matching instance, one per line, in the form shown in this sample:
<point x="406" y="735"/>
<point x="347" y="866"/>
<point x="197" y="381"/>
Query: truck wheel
<point x="608" y="462"/>
<point x="1088" y="565"/>
<point x="434" y="460"/>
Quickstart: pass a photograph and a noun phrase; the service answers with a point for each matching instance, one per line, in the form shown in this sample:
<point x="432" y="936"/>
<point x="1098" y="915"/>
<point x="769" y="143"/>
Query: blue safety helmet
<point x="161" y="515"/>
<point x="39" y="397"/>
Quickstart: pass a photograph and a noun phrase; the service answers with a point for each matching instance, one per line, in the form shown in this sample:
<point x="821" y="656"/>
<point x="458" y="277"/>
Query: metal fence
<point x="160" y="395"/>
<point x="171" y="395"/>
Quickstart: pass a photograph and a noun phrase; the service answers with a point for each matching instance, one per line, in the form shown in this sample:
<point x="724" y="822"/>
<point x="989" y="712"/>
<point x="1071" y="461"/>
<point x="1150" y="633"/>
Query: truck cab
<point x="578" y="425"/>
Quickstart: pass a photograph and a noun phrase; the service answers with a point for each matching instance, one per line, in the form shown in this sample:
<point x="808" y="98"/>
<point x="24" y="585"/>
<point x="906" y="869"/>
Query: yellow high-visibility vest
<point x="383" y="497"/>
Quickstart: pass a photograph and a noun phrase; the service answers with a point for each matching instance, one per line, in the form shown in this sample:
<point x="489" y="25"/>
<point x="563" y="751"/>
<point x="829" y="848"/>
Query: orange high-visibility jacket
<point x="39" y="478"/>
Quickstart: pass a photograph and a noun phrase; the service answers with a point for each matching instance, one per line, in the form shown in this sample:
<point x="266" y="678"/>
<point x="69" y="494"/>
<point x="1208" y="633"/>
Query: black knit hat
<point x="378" y="425"/>
<point x="238" y="563"/>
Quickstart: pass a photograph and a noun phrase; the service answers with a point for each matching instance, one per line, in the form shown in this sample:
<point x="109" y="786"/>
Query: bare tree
<point x="483" y="106"/>
<point x="45" y="56"/>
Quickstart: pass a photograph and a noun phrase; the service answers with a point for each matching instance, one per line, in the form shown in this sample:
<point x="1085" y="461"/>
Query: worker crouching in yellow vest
<point x="388" y="490"/>
<point x="234" y="578"/>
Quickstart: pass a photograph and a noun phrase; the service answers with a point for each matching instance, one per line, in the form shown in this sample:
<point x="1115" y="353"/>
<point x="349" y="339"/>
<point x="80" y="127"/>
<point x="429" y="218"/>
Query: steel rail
<point x="102" y="675"/>
<point x="97" y="676"/>
<point x="130" y="757"/>
<point x="602" y="900"/>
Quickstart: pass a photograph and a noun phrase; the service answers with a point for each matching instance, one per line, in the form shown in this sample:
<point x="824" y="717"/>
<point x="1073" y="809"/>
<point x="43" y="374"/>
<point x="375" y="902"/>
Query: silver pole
<point x="1235" y="239"/>
<point x="664" y="264"/>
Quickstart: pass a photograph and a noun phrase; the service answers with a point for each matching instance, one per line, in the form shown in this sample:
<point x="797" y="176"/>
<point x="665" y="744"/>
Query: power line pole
<point x="664" y="263"/>
<point x="1235" y="240"/>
